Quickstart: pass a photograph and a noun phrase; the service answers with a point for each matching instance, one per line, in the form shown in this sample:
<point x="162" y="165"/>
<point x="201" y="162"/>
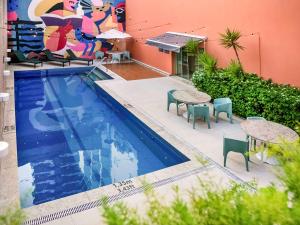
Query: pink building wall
<point x="270" y="28"/>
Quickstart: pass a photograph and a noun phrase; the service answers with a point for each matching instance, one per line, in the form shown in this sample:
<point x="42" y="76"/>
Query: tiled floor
<point x="148" y="100"/>
<point x="132" y="71"/>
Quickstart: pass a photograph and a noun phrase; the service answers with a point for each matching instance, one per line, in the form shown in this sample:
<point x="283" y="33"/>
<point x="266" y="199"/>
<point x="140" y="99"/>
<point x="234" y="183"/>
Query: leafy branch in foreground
<point x="208" y="204"/>
<point x="12" y="216"/>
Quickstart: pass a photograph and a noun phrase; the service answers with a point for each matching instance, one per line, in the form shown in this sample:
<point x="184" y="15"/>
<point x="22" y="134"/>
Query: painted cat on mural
<point x="73" y="24"/>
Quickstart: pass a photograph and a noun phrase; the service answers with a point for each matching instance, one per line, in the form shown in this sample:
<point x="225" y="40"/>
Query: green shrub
<point x="252" y="96"/>
<point x="12" y="216"/>
<point x="234" y="69"/>
<point x="210" y="205"/>
<point x="192" y="47"/>
<point x="208" y="62"/>
<point x="297" y="127"/>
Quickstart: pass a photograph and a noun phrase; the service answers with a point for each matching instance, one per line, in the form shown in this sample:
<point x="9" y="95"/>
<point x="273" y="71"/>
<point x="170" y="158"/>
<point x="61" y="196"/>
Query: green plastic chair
<point x="171" y="100"/>
<point x="253" y="140"/>
<point x="73" y="57"/>
<point x="99" y="55"/>
<point x="52" y="57"/>
<point x="116" y="57"/>
<point x="198" y="111"/>
<point x="232" y="145"/>
<point x="223" y="105"/>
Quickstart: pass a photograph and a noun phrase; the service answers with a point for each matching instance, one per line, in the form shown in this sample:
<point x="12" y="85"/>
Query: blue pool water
<point x="73" y="137"/>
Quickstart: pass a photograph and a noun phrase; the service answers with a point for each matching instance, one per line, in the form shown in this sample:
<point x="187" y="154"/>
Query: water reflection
<point x="70" y="140"/>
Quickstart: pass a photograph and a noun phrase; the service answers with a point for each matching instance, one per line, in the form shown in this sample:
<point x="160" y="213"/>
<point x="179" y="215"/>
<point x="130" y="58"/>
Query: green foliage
<point x="208" y="62"/>
<point x="192" y="47"/>
<point x="252" y="96"/>
<point x="210" y="205"/>
<point x="297" y="127"/>
<point x="234" y="69"/>
<point x="288" y="155"/>
<point x="12" y="217"/>
<point x="119" y="214"/>
<point x="230" y="39"/>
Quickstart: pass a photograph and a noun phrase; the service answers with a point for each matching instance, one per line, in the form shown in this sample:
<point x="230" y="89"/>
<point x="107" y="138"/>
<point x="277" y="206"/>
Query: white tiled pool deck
<point x="147" y="100"/>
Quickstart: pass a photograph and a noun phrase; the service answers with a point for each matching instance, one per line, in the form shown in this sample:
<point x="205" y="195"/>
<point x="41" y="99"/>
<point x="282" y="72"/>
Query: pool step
<point x="96" y="74"/>
<point x="25" y="106"/>
<point x="31" y="93"/>
<point x="100" y="74"/>
<point x="28" y="86"/>
<point x="32" y="99"/>
<point x="92" y="76"/>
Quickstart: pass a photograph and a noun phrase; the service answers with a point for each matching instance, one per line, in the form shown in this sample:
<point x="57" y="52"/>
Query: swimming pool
<point x="72" y="137"/>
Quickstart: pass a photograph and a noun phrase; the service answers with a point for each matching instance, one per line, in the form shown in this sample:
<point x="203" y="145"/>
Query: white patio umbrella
<point x="113" y="34"/>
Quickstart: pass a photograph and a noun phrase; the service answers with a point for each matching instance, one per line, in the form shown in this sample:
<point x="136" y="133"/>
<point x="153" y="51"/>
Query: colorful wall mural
<point x="58" y="25"/>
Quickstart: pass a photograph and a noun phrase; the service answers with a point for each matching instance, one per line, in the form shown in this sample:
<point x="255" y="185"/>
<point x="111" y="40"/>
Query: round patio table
<point x="268" y="132"/>
<point x="191" y="97"/>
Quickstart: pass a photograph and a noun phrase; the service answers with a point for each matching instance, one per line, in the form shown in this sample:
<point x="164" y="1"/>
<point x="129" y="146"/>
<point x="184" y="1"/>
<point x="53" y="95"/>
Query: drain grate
<point x="113" y="198"/>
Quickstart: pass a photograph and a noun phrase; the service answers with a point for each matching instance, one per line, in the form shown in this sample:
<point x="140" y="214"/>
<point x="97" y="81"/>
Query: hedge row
<point x="253" y="96"/>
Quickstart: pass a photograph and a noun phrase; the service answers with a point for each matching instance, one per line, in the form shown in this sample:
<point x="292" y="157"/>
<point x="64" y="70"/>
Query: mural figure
<point x="87" y="40"/>
<point x="98" y="12"/>
<point x="121" y="16"/>
<point x="23" y="35"/>
<point x="12" y="7"/>
<point x="58" y="25"/>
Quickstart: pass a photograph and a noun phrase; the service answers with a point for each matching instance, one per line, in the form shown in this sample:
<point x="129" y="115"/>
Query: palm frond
<point x="230" y="38"/>
<point x="192" y="47"/>
<point x="208" y="62"/>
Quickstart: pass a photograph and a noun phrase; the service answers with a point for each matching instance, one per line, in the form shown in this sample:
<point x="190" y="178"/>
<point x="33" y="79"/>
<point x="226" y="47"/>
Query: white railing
<point x="96" y="65"/>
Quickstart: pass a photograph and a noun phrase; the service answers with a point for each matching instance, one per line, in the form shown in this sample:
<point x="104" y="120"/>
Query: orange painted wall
<point x="275" y="22"/>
